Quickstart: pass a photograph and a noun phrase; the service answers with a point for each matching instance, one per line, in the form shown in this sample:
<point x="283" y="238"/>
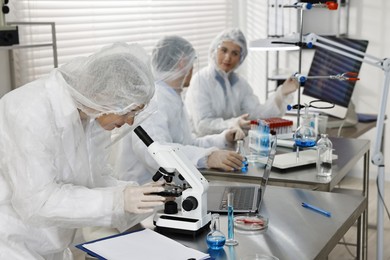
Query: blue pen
<point x="316" y="209"/>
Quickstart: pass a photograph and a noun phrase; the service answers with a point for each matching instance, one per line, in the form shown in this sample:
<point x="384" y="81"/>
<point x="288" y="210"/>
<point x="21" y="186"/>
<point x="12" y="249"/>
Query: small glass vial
<point x="324" y="156"/>
<point x="254" y="124"/>
<point x="215" y="238"/>
<point x="241" y="151"/>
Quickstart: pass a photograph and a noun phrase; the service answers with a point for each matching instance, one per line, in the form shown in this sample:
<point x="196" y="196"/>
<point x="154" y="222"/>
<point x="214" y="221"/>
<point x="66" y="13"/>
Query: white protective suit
<point x="53" y="179"/>
<point x="215" y="98"/>
<point x="169" y="124"/>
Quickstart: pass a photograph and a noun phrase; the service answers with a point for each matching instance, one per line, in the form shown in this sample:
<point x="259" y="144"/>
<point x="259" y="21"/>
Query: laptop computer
<point x="247" y="198"/>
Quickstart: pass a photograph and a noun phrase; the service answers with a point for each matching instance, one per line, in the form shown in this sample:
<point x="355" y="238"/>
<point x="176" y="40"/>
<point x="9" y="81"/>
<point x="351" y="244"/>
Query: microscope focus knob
<point x="190" y="203"/>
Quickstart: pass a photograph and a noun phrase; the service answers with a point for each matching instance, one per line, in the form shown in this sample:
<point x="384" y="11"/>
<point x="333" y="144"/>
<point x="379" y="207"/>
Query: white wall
<point x="5" y="82"/>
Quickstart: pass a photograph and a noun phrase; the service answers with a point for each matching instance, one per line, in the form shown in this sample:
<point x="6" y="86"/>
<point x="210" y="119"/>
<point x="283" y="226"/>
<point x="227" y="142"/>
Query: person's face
<point x="111" y="121"/>
<point x="228" y="56"/>
<point x="187" y="79"/>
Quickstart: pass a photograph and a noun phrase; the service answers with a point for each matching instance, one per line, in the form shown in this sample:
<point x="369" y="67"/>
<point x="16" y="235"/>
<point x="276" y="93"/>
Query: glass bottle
<point x="324" y="156"/>
<point x="241" y="151"/>
<point x="305" y="135"/>
<point x="215" y="238"/>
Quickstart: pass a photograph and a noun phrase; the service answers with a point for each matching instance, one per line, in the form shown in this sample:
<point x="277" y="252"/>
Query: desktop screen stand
<point x="351" y="118"/>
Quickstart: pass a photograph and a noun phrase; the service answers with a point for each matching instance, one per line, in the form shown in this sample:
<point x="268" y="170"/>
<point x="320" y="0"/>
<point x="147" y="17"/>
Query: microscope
<point x="9" y="35"/>
<point x="192" y="217"/>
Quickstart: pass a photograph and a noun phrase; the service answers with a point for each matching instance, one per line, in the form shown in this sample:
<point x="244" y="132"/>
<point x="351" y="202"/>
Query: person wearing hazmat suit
<point x="219" y="98"/>
<point x="172" y="64"/>
<point x="53" y="131"/>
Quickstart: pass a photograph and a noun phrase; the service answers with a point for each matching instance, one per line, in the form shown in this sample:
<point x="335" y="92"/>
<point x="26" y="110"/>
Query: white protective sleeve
<point x="213" y="110"/>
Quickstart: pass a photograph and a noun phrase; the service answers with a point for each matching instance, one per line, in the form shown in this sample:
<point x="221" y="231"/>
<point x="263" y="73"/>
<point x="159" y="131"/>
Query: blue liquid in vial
<point x="244" y="167"/>
<point x="215" y="242"/>
<point x="230" y="223"/>
<point x="308" y="143"/>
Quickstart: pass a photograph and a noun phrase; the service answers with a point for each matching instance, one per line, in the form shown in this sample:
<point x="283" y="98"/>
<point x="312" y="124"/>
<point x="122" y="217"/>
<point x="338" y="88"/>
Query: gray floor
<point x="342" y="252"/>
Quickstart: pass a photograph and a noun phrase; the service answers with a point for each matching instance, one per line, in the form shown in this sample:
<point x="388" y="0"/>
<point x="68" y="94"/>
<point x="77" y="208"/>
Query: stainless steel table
<point x="349" y="152"/>
<point x="352" y="131"/>
<point x="293" y="232"/>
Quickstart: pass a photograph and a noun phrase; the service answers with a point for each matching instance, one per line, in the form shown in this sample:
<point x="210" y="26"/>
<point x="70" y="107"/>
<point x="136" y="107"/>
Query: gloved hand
<point x="138" y="199"/>
<point x="234" y="133"/>
<point x="225" y="160"/>
<point x="243" y="122"/>
<point x="289" y="86"/>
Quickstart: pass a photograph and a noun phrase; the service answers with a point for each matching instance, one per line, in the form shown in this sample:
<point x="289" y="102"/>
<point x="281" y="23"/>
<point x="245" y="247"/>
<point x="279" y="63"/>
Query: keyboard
<point x="243" y="198"/>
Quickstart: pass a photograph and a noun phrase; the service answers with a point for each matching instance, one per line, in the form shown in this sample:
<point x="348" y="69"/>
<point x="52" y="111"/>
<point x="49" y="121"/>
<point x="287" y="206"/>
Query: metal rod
<point x="300" y="63"/>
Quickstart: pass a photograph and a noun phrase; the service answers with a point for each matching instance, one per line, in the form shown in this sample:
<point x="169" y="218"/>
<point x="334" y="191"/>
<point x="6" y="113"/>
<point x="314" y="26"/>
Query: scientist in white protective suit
<point x="219" y="98"/>
<point x="52" y="160"/>
<point x="172" y="64"/>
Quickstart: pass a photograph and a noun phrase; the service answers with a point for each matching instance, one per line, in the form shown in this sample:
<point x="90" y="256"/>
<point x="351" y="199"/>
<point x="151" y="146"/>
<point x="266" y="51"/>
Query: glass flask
<point x="324" y="156"/>
<point x="215" y="238"/>
<point x="305" y="135"/>
<point x="241" y="151"/>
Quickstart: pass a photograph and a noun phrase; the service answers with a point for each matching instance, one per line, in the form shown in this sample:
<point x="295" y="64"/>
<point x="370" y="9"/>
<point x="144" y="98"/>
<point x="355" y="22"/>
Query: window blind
<point x="84" y="26"/>
<point x="256" y="25"/>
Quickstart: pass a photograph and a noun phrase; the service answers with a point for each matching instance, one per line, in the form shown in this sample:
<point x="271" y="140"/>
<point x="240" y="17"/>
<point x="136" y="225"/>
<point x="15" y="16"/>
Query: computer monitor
<point x="326" y="63"/>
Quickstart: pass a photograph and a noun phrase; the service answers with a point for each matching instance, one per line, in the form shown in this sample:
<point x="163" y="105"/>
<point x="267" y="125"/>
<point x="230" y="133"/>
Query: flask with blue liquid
<point x="215" y="238"/>
<point x="305" y="135"/>
<point x="241" y="151"/>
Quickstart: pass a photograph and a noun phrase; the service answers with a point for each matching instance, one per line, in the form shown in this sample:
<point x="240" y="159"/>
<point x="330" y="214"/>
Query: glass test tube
<point x="231" y="241"/>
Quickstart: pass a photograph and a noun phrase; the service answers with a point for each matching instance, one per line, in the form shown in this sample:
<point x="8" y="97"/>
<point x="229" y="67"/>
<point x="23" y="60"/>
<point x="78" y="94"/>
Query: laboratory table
<point x="349" y="152"/>
<point x="293" y="232"/>
<point x="351" y="131"/>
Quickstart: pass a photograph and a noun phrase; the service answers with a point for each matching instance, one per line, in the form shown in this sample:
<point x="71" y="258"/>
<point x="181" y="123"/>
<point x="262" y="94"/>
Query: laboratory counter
<point x="349" y="152"/>
<point x="293" y="232"/>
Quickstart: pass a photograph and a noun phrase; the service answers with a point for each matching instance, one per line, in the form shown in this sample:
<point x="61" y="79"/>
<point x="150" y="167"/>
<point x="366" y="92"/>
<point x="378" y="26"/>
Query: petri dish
<point x="259" y="257"/>
<point x="250" y="222"/>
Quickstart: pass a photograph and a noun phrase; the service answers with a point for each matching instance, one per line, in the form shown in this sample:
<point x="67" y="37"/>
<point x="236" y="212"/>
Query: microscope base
<point x="177" y="223"/>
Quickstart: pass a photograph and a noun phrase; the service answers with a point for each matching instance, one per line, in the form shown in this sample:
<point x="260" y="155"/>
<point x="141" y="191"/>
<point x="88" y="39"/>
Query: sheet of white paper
<point x="288" y="160"/>
<point x="145" y="244"/>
